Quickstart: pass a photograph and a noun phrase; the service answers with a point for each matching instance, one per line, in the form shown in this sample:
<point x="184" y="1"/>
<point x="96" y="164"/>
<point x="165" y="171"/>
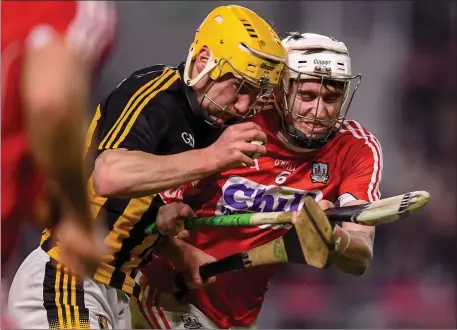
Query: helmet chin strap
<point x="210" y="65"/>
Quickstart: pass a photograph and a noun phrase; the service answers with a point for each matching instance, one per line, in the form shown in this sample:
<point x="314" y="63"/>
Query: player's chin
<point x="316" y="133"/>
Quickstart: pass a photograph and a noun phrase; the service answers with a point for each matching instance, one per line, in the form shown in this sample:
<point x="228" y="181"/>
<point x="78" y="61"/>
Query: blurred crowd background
<point x="407" y="54"/>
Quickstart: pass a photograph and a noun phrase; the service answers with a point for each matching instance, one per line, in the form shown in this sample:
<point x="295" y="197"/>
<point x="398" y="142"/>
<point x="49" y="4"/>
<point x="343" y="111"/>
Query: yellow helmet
<point x="241" y="43"/>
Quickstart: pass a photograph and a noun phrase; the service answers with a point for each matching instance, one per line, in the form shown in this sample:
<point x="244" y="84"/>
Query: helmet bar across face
<point x="254" y="109"/>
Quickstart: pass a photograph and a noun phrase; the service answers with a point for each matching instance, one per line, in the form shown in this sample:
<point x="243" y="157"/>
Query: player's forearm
<point x="62" y="160"/>
<point x="55" y="106"/>
<point x="354" y="250"/>
<point x="123" y="173"/>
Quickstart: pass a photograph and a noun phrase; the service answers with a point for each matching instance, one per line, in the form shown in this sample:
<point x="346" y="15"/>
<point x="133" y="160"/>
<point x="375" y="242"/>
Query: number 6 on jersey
<point x="282" y="177"/>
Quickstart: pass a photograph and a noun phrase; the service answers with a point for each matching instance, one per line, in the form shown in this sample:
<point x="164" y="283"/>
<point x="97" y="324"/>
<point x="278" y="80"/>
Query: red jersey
<point x="89" y="28"/>
<point x="349" y="167"/>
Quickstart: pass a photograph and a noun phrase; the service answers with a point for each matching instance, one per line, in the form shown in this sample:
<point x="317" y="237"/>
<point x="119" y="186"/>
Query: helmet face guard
<point x="263" y="90"/>
<point x="243" y="45"/>
<point x="323" y="59"/>
<point x="312" y="140"/>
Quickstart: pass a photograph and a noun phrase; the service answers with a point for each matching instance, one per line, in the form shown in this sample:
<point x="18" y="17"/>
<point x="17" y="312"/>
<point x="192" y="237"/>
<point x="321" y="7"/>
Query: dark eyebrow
<point x="336" y="85"/>
<point x="331" y="92"/>
<point x="306" y="91"/>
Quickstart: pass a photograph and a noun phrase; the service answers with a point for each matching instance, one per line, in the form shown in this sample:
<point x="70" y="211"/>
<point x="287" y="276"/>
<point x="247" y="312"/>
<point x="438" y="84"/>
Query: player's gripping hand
<point x="186" y="258"/>
<point x="342" y="241"/>
<point x="171" y="217"/>
<point x="234" y="148"/>
<point x="326" y="204"/>
<point x="189" y="262"/>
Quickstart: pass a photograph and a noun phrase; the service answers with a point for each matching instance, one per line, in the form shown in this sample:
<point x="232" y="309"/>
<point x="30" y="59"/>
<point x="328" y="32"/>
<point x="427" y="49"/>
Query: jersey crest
<point x="319" y="173"/>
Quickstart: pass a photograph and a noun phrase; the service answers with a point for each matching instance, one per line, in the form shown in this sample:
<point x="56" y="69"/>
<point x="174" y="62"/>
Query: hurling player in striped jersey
<point x="312" y="150"/>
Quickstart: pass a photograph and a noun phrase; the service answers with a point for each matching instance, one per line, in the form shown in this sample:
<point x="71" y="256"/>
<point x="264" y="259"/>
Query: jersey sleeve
<point x="89" y="27"/>
<point x="362" y="173"/>
<point x="138" y="113"/>
<point x="142" y="133"/>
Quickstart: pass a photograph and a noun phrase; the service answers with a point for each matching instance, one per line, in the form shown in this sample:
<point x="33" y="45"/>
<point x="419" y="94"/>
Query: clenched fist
<point x="234" y="148"/>
<point x="171" y="219"/>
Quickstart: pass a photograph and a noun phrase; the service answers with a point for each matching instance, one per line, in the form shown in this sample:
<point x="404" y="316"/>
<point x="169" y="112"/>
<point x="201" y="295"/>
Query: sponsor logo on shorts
<point x="102" y="322"/>
<point x="191" y="321"/>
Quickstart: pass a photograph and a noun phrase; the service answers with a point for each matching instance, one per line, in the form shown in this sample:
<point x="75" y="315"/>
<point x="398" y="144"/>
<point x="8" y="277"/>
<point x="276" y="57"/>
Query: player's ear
<point x="202" y="59"/>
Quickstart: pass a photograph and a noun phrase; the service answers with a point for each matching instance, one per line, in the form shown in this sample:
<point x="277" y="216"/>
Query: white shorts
<point x="5" y="319"/>
<point x="163" y="311"/>
<point x="44" y="295"/>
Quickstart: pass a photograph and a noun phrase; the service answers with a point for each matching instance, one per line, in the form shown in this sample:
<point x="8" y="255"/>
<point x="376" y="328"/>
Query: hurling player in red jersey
<point x="312" y="150"/>
<point x="49" y="53"/>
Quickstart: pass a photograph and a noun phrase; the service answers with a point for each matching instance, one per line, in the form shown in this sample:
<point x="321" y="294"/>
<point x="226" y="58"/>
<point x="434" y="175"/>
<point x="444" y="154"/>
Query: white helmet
<point x="315" y="56"/>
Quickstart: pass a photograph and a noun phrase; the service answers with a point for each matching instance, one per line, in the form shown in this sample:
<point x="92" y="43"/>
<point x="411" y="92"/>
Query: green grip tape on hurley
<point x="151" y="229"/>
<point x="220" y="221"/>
<point x="215" y="221"/>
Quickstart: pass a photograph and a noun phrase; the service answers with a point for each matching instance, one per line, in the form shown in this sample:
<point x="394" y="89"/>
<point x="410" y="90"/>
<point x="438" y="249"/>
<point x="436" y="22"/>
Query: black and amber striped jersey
<point x="152" y="111"/>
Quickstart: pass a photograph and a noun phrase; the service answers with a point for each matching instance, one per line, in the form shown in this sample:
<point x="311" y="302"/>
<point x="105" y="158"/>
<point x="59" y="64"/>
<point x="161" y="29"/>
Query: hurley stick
<point x="370" y="214"/>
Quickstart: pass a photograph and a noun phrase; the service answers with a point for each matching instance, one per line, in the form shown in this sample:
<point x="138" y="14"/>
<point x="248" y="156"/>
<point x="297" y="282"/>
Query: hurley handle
<point x="224" y="265"/>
